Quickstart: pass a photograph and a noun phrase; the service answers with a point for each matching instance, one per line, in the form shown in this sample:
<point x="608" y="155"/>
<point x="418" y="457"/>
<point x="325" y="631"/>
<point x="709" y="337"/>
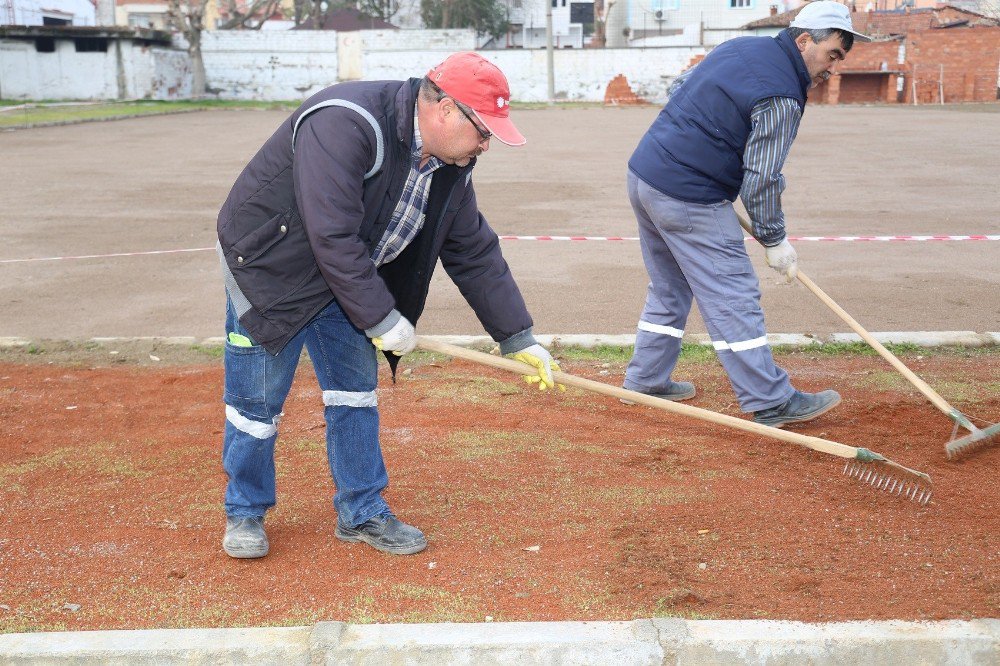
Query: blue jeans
<point x="256" y="386"/>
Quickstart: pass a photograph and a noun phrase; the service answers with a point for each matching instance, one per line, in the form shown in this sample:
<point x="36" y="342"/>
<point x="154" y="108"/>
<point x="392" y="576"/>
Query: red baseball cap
<point x="481" y="86"/>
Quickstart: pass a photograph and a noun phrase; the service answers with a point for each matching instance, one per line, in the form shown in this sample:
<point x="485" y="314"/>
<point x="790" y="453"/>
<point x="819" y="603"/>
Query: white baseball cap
<point x="826" y="14"/>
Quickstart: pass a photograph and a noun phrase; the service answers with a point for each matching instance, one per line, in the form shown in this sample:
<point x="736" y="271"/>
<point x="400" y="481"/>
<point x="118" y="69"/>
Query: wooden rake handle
<point x="921" y="385"/>
<point x="814" y="443"/>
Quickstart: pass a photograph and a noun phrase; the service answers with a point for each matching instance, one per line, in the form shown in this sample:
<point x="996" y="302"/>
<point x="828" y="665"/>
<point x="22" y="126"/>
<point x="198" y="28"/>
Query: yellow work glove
<point x="539" y="357"/>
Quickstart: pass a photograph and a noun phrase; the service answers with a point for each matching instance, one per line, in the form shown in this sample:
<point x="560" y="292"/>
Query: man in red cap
<point x="328" y="240"/>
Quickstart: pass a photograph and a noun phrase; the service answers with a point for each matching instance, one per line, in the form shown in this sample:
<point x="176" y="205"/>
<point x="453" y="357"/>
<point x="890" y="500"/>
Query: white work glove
<point x="782" y="258"/>
<point x="400" y="339"/>
<point x="539" y="357"/>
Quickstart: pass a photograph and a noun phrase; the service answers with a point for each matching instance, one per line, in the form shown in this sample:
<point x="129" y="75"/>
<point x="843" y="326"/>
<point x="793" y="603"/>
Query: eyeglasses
<point x="483" y="135"/>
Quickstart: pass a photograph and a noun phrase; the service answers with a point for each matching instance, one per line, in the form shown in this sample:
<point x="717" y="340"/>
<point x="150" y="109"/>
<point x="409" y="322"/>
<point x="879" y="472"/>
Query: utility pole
<point x="549" y="58"/>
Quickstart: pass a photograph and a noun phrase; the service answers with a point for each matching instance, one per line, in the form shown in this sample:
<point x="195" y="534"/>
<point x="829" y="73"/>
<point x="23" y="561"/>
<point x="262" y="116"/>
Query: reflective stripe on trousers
<point x="697" y="252"/>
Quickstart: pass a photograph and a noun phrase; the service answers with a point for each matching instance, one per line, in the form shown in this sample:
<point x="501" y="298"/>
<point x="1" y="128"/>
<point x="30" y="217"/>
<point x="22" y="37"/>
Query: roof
<point x="82" y="31"/>
<point x="774" y="21"/>
<point x="883" y="23"/>
<point x="347" y="19"/>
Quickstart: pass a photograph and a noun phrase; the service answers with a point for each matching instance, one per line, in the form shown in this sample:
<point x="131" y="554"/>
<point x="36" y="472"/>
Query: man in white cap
<point x="328" y="240"/>
<point x="725" y="132"/>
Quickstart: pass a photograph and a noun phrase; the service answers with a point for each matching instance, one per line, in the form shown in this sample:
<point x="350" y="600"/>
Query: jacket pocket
<point x="273" y="261"/>
<point x="260" y="240"/>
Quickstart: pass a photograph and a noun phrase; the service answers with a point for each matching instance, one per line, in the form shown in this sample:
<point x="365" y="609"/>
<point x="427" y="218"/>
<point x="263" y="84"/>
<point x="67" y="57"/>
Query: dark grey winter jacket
<point x="299" y="226"/>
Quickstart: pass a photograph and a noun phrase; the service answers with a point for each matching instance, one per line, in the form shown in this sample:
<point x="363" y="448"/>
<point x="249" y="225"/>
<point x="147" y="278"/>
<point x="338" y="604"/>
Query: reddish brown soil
<point x="537" y="507"/>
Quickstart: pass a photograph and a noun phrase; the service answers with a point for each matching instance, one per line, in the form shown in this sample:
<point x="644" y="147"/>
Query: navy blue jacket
<point x="694" y="149"/>
<point x="299" y="226"/>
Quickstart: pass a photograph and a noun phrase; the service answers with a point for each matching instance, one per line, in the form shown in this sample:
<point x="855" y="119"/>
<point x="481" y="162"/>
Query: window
<point x="140" y="20"/>
<point x="740" y="4"/>
<point x="52" y="20"/>
<point x="91" y="45"/>
<point x="45" y="44"/>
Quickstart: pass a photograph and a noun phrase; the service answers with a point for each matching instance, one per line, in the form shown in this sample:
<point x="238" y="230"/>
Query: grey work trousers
<point x="697" y="250"/>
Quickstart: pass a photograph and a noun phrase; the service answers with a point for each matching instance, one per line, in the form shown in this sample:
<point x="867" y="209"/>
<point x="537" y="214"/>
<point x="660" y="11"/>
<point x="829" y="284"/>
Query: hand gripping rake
<point x="862" y="464"/>
<point x="976" y="438"/>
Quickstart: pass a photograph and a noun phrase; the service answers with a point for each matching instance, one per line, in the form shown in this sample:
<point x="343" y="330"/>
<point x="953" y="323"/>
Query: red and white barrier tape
<point x="106" y="256"/>
<point x="978" y="237"/>
<point x="832" y="239"/>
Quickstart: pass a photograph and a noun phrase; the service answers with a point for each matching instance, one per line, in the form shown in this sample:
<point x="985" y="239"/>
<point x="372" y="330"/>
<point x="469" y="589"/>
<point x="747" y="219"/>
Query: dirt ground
<point x="559" y="506"/>
<point x="151" y="184"/>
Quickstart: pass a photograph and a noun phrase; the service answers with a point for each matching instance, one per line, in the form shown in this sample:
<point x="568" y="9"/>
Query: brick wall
<point x="857" y="79"/>
<point x="965" y="59"/>
<point x="884" y="24"/>
<point x="870" y="56"/>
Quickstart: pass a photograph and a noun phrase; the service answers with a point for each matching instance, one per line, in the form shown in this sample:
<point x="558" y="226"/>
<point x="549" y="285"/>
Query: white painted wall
<point x="172" y="75"/>
<point x="269" y="65"/>
<point x="293" y="65"/>
<point x="16" y="60"/>
<point x="31" y="12"/>
<point x="418" y="40"/>
<point x="135" y="72"/>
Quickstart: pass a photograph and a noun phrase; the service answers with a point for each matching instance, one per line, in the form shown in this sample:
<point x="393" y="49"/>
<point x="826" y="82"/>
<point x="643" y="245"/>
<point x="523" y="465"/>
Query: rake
<point x="977" y="437"/>
<point x="861" y="464"/>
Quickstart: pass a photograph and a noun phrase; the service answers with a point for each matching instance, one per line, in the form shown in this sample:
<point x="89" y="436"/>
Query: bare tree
<point x="188" y="18"/>
<point x="601" y="10"/>
<point x="383" y="9"/>
<point x="246" y="14"/>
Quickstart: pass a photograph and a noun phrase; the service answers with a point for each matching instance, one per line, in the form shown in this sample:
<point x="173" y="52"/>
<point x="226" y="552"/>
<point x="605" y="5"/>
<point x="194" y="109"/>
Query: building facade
<point x="689" y="22"/>
<point x="47" y="12"/>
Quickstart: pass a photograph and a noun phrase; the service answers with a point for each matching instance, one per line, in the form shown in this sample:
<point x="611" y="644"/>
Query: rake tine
<point x="887" y="476"/>
<point x="976" y="439"/>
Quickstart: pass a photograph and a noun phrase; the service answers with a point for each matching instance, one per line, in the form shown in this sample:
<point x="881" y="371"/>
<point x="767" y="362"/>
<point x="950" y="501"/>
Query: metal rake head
<point x="892" y="478"/>
<point x="976" y="439"/>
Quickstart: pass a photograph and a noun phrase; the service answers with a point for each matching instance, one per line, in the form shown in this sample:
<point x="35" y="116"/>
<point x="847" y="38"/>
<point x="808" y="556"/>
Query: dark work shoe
<point x="245" y="537"/>
<point x="676" y="391"/>
<point x="386" y="533"/>
<point x="801" y="407"/>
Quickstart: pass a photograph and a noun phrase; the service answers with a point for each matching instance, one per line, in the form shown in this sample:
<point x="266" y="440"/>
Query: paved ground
<point x="156" y="184"/>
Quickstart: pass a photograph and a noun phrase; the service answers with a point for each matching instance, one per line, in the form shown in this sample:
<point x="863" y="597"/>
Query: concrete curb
<point x="658" y="641"/>
<point x="918" y="338"/>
